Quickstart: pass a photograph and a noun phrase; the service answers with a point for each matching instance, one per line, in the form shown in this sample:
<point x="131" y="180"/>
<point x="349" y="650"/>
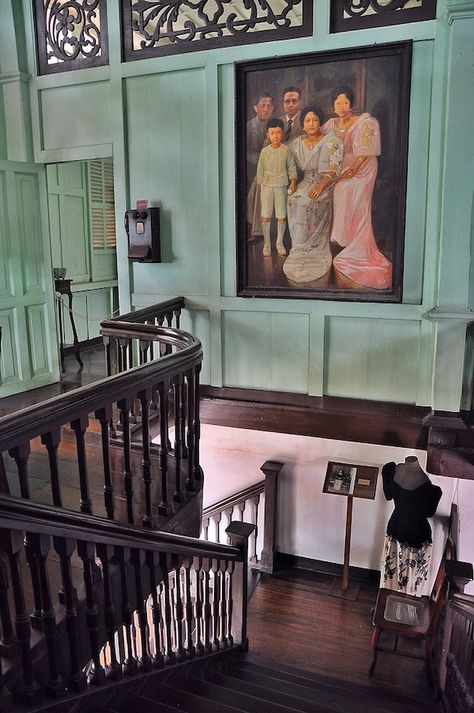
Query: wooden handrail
<point x="149" y="313"/>
<point x="264" y="561"/>
<point x="234" y="499"/>
<point x="18" y="514"/>
<point x="30" y="422"/>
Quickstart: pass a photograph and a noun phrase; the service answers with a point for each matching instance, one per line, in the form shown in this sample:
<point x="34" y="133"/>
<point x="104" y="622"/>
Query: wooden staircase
<point x="231" y="683"/>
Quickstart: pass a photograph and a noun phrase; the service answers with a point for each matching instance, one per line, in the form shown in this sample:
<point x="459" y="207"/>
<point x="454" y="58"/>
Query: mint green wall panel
<point x="98" y="308"/>
<point x="9" y="364"/>
<point x="76" y="115"/>
<point x="372" y="358"/>
<point x="196" y="322"/>
<point x="29" y="234"/>
<point x="37" y="320"/>
<point x="74" y="237"/>
<point x="266" y="350"/>
<point x="6" y="286"/>
<point x="168" y="166"/>
<point x="104" y="265"/>
<point x="71" y="175"/>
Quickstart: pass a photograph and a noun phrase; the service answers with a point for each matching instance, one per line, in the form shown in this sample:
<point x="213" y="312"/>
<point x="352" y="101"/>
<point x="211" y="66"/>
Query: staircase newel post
<point x="239" y="533"/>
<point x="271" y="470"/>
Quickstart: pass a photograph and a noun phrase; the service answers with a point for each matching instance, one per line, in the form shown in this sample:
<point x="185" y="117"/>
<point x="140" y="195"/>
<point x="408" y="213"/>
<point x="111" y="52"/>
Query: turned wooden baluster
<point x="215" y="604"/>
<point x="65" y="549"/>
<point x="137" y="558"/>
<point x="129" y="666"/>
<point x="188" y="607"/>
<point x="104" y="416"/>
<point x="28" y="691"/>
<point x="86" y="551"/>
<point x="190" y="436"/>
<point x="222" y="634"/>
<point x="196" y="569"/>
<point x="205" y="529"/>
<point x="41" y="546"/>
<point x="177" y="316"/>
<point x="206" y="606"/>
<point x="178" y="611"/>
<point x="179" y="426"/>
<point x="8" y="643"/>
<point x="5" y="695"/>
<point x="229" y="602"/>
<point x="151" y="561"/>
<point x="241" y="508"/>
<point x="79" y="427"/>
<point x="197" y="470"/>
<point x="256" y="503"/>
<point x="52" y="440"/>
<point x="166" y="611"/>
<point x="217" y="521"/>
<point x="113" y="670"/>
<point x="21" y="454"/>
<point x="124" y="407"/>
<point x="164" y="507"/>
<point x="145" y="400"/>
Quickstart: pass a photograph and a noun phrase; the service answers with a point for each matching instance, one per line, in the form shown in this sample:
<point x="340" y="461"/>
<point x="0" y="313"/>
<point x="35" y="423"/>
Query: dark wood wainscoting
<point x="377" y="422"/>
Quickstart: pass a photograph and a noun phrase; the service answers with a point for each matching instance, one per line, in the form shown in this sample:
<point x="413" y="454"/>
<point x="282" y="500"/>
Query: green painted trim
<point x="462" y="314"/>
<point x="460" y="12"/>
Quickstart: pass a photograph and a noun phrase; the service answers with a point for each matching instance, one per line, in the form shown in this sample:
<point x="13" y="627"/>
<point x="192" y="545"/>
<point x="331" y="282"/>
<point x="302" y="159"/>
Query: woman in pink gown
<point x="360" y="263"/>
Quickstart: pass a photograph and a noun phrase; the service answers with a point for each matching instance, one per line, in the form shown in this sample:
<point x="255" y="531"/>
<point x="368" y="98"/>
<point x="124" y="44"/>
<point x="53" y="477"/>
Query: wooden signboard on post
<point x="352" y="481"/>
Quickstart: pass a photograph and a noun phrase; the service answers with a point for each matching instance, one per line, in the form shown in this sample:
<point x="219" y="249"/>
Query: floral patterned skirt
<point x="404" y="568"/>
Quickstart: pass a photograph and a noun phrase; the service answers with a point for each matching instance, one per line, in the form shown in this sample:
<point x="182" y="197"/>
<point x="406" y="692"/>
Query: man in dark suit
<point x="292" y="111"/>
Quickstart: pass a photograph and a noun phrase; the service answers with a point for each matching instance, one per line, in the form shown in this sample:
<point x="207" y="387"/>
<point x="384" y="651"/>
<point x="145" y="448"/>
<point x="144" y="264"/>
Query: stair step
<point x="384" y="702"/>
<point x="126" y="702"/>
<point x="191" y="701"/>
<point x="273" y="692"/>
<point x="239" y="699"/>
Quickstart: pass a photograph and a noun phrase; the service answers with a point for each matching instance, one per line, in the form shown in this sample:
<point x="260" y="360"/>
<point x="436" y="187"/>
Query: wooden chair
<point x="411" y="617"/>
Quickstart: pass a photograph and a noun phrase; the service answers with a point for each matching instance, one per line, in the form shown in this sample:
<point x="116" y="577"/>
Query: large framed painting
<point x="321" y="149"/>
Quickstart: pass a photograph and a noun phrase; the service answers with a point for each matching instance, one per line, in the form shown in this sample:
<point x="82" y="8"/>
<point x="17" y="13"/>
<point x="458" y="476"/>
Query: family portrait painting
<point x="321" y="174"/>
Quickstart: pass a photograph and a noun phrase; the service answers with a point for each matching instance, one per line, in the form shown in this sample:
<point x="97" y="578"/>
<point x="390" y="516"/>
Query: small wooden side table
<point x="63" y="287"/>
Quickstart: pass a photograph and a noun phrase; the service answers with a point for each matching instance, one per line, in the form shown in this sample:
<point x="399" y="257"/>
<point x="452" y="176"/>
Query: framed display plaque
<point x="360" y="481"/>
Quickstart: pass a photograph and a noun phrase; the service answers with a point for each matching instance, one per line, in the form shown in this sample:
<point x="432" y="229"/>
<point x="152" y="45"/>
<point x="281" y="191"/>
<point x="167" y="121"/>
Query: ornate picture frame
<point x="345" y="241"/>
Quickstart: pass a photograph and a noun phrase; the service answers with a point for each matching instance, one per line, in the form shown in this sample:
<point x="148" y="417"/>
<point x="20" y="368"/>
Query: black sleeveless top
<point x="408" y="523"/>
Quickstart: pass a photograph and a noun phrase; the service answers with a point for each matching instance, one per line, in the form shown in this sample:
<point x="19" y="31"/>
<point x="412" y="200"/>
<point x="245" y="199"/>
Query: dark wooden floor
<point x="94" y="369"/>
<point x="294" y="621"/>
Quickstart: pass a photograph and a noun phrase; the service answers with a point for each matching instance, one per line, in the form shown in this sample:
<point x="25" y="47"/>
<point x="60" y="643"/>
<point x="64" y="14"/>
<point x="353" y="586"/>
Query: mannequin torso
<point x="410" y="475"/>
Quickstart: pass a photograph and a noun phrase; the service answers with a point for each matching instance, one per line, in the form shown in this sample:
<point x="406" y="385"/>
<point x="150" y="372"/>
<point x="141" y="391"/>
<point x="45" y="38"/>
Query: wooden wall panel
<point x="76" y="115"/>
<point x="29" y="235"/>
<point x="266" y="350"/>
<point x="9" y="364"/>
<point x="37" y="321"/>
<point x="372" y="359"/>
<point x="197" y="323"/>
<point x="169" y="167"/>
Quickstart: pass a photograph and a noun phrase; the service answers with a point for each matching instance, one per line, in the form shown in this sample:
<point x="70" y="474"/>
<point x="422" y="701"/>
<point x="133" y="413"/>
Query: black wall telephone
<point x="143" y="230"/>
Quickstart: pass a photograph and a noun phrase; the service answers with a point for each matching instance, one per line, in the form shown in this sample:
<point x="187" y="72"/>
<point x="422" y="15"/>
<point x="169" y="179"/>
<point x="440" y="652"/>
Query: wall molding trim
<point x="331" y="417"/>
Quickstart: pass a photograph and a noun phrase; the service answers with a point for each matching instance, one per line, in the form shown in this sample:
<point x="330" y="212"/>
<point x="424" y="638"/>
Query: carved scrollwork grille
<point x="157" y="27"/>
<point x="358" y="14"/>
<point x="71" y="34"/>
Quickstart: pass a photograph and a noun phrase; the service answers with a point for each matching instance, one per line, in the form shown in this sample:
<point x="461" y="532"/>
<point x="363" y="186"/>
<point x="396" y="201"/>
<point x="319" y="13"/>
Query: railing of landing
<point x="259" y="502"/>
<point x="458" y="680"/>
<point x="130" y="601"/>
<point x="74" y="459"/>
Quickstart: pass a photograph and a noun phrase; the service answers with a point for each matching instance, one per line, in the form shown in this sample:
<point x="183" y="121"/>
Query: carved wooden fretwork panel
<point x="71" y="34"/>
<point x="156" y="27"/>
<point x="357" y="14"/>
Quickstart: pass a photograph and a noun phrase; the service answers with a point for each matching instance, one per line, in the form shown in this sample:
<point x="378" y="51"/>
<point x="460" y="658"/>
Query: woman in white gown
<point x="310" y="206"/>
<point x="360" y="263"/>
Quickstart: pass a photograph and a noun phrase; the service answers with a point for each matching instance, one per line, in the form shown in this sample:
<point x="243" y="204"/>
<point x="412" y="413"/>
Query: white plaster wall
<point x="312" y="523"/>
